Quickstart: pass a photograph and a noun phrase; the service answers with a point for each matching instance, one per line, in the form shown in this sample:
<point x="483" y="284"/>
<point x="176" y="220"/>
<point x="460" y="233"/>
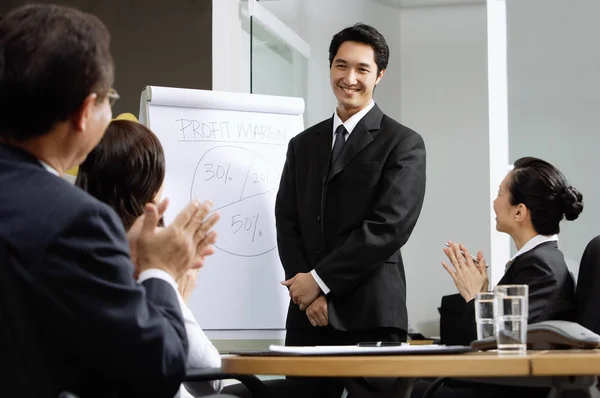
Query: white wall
<point x="286" y="11"/>
<point x="443" y="96"/>
<point x="554" y="100"/>
<point x="230" y="46"/>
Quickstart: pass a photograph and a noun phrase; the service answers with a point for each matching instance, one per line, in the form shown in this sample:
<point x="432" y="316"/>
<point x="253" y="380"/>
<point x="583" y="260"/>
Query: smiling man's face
<point x="353" y="75"/>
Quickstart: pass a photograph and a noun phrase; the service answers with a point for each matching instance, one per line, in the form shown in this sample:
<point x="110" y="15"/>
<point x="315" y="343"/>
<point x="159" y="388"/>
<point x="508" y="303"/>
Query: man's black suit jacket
<point x="96" y="332"/>
<point x="348" y="220"/>
<point x="551" y="293"/>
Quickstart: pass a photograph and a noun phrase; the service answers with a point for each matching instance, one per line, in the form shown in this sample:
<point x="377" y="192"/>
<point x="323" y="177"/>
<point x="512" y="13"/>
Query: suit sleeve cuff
<point x="320" y="282"/>
<point x="158" y="274"/>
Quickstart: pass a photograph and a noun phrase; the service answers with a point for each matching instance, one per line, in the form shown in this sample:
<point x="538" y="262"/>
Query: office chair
<point x="455" y="327"/>
<point x="253" y="383"/>
<point x="276" y="388"/>
<point x="220" y="396"/>
<point x="588" y="287"/>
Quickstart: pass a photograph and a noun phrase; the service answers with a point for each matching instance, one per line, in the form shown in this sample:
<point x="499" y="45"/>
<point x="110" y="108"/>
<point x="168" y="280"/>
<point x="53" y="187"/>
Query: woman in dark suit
<point x="532" y="200"/>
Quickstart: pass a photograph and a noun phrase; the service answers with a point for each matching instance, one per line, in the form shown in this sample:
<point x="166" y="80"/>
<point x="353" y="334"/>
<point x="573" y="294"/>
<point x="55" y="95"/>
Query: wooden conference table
<point x="565" y="370"/>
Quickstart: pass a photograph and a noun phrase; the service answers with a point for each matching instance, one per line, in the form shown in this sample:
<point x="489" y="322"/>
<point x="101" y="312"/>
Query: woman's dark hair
<point x="51" y="58"/>
<point x="544" y="190"/>
<point x="365" y="34"/>
<point x="125" y="170"/>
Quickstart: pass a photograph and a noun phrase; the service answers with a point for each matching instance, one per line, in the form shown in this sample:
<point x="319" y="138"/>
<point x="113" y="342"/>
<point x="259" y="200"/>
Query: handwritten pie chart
<point x="242" y="184"/>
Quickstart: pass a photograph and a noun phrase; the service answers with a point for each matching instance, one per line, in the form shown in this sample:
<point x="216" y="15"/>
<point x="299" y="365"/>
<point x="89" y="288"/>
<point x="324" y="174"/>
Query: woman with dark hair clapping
<point x="532" y="200"/>
<point x="126" y="170"/>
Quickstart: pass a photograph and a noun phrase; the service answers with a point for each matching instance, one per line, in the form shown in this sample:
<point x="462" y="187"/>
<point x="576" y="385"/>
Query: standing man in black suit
<point x="350" y="195"/>
<point x="72" y="316"/>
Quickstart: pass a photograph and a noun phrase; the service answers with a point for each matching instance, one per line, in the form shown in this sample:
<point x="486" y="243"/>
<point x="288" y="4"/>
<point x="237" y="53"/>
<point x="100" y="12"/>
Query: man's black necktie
<point x="340" y="140"/>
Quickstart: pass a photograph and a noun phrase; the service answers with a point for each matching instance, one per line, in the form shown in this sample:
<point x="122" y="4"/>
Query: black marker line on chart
<point x="245" y="255"/>
<point x="241" y="200"/>
<point x="255" y="225"/>
<point x="247" y="174"/>
<point x="234" y="142"/>
<point x="238" y="254"/>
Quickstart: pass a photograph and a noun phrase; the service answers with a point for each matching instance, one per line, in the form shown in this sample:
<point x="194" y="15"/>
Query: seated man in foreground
<point x="74" y="317"/>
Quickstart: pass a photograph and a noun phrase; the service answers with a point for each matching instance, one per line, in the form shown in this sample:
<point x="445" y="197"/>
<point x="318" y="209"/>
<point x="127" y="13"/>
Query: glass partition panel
<point x="276" y="66"/>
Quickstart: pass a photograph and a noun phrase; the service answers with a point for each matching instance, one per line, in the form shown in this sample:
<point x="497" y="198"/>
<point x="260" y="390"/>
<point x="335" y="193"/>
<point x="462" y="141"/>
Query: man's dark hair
<point x="125" y="170"/>
<point x="51" y="58"/>
<point x="365" y="34"/>
<point x="544" y="190"/>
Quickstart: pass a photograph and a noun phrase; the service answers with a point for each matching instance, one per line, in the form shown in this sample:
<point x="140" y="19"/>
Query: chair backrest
<point x="22" y="366"/>
<point x="457" y="326"/>
<point x="588" y="287"/>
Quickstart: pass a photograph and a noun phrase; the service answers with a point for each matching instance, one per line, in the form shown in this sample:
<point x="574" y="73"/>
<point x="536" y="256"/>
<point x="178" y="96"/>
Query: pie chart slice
<point x="243" y="186"/>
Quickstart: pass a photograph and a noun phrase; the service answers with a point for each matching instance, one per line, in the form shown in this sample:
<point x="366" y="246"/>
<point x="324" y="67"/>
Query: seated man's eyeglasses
<point x="113" y="96"/>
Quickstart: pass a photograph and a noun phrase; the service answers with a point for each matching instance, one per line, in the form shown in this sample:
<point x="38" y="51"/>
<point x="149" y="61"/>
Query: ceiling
<point x="427" y="3"/>
<point x="419" y="3"/>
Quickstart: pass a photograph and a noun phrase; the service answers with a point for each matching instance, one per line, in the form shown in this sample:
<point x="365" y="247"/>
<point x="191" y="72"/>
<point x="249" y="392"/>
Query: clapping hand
<point x="177" y="247"/>
<point x="469" y="277"/>
<point x="187" y="283"/>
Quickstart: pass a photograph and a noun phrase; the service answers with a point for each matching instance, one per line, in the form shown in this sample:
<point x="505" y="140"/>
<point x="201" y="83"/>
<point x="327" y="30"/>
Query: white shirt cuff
<point x="320" y="282"/>
<point x="158" y="274"/>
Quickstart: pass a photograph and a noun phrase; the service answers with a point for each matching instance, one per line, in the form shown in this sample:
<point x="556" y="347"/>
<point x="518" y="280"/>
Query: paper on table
<point x="353" y="349"/>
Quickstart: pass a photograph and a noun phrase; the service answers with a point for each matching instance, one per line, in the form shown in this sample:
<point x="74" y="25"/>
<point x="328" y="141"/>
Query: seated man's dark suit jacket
<point x="551" y="294"/>
<point x="73" y="316"/>
<point x="348" y="220"/>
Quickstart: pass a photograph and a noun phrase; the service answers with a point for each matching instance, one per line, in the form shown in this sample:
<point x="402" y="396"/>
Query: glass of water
<point x="511" y="307"/>
<point x="484" y="314"/>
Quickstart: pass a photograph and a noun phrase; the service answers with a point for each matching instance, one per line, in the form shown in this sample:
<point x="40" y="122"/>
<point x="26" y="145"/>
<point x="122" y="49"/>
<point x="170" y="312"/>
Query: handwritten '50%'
<point x="246" y="224"/>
